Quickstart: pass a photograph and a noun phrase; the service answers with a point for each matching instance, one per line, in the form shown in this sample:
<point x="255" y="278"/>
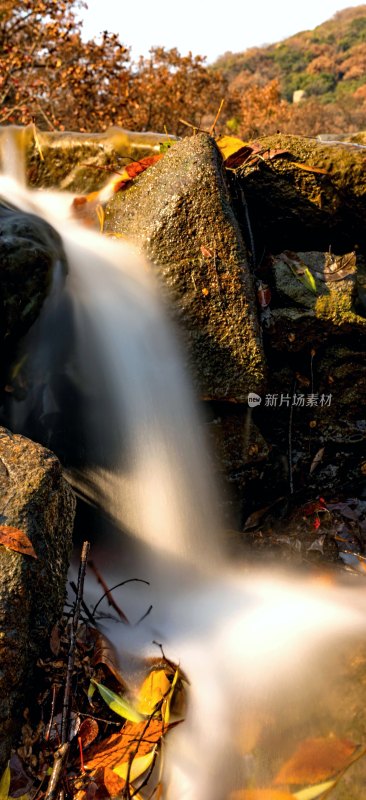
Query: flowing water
<point x="107" y="390"/>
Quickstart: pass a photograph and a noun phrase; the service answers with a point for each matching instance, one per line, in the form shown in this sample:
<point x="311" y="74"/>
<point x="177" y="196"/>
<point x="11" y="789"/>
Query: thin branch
<point x="71" y="656"/>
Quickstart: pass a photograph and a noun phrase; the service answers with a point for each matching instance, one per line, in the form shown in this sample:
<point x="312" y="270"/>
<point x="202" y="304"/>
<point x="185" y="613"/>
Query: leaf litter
<point x="115" y="735"/>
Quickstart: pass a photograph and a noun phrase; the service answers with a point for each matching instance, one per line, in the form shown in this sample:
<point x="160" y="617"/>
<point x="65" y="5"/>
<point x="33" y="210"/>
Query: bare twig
<point x="212" y="129"/>
<point x="71" y="656"/>
<point x="59" y="762"/>
<point x="107" y="592"/>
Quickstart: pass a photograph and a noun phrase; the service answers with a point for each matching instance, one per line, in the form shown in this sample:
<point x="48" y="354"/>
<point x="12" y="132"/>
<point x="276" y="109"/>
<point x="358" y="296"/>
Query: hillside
<point x="329" y="63"/>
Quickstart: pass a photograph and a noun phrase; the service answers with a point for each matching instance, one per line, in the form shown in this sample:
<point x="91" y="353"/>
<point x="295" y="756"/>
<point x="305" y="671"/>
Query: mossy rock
<point x="35" y="499"/>
<point x="179" y="214"/>
<point x="79" y="162"/>
<point x="310" y="197"/>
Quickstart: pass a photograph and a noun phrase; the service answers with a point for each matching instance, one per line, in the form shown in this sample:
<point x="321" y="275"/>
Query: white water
<point x="247" y="640"/>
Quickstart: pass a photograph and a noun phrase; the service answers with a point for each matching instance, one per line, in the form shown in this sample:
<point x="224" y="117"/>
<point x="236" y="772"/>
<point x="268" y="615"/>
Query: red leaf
<point x="17" y="540"/>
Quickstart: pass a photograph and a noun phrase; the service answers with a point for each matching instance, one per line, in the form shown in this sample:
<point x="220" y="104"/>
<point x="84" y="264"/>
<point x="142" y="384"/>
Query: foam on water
<point x="246" y="639"/>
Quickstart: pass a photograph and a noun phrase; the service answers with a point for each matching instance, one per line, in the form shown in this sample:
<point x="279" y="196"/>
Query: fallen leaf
<point x="313" y="792"/>
<point x="317" y="459"/>
<point x="21" y="784"/>
<point x="117" y="703"/>
<point x="317" y="760"/>
<point x="139" y="765"/>
<point x="88" y="731"/>
<point x="155" y="687"/>
<point x="134" y="738"/>
<point x="229" y="145"/>
<point x="105" y="654"/>
<point x="17" y="540"/>
<point x="309" y="168"/>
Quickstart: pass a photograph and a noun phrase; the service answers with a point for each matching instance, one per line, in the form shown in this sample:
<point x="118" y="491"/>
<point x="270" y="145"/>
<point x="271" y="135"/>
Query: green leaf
<point x="5" y="783"/>
<point x="118" y="704"/>
<point x="138" y="766"/>
<point x="91" y="690"/>
<point x="313" y="792"/>
<point x="309" y="280"/>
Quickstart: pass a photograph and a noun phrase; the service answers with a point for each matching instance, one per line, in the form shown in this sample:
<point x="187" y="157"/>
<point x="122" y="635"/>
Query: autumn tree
<point x="171" y="87"/>
<point x="49" y="74"/>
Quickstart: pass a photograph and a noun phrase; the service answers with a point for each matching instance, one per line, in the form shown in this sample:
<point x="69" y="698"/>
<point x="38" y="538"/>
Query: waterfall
<point x="105" y="375"/>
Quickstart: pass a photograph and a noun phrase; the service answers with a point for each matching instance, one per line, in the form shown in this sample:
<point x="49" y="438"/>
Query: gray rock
<point x="179" y="214"/>
<point x="36" y="499"/>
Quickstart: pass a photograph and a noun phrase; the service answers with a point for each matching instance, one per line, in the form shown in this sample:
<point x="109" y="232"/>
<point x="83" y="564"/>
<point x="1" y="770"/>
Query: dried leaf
<point x="139" y="765"/>
<point x="17" y="540"/>
<point x="88" y="731"/>
<point x="308" y="168"/>
<point x="118" y="704"/>
<point x="317" y="760"/>
<point x="317" y="459"/>
<point x="136" y="738"/>
<point x="104" y="653"/>
<point x="313" y="792"/>
<point x="21" y="784"/>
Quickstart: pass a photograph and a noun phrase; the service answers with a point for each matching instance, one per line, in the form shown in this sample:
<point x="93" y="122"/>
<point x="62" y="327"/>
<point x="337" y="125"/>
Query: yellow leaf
<point x="229" y="145"/>
<point x="165" y="709"/>
<point x="154" y="689"/>
<point x="5" y="783"/>
<point x="138" y="767"/>
<point x="313" y="792"/>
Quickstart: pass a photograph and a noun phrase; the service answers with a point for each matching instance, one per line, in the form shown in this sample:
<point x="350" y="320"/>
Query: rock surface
<point x="36" y="499"/>
<point x="178" y="212"/>
<point x="29" y="248"/>
<point x="78" y="162"/>
<point x="309" y="198"/>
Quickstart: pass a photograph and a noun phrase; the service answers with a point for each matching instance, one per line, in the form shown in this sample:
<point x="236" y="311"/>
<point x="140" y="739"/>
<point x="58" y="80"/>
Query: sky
<point x="205" y="27"/>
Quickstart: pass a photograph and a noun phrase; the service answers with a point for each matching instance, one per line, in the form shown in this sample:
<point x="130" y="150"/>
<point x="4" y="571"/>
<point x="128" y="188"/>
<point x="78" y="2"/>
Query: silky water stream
<point x="263" y="651"/>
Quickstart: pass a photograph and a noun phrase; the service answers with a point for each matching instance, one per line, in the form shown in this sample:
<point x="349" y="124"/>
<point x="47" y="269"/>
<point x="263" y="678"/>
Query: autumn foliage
<point x="50" y="75"/>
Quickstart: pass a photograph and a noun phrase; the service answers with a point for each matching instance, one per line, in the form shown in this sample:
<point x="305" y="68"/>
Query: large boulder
<point x="34" y="498"/>
<point x="179" y="214"/>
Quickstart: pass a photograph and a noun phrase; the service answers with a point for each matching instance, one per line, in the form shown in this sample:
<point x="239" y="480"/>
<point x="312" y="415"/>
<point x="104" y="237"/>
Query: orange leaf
<point x="136" y="738"/>
<point x="17" y="540"/>
<point x="316" y="760"/>
<point x="136" y="167"/>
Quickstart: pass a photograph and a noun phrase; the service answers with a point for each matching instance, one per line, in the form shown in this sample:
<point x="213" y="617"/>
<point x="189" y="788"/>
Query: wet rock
<point x="29" y="248"/>
<point x="317" y="294"/>
<point x="309" y="198"/>
<point x="178" y="212"/>
<point x="78" y="162"/>
<point x="36" y="499"/>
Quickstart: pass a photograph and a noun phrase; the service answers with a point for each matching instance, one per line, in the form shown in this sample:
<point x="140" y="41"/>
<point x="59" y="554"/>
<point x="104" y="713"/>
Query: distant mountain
<point x="329" y="62"/>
